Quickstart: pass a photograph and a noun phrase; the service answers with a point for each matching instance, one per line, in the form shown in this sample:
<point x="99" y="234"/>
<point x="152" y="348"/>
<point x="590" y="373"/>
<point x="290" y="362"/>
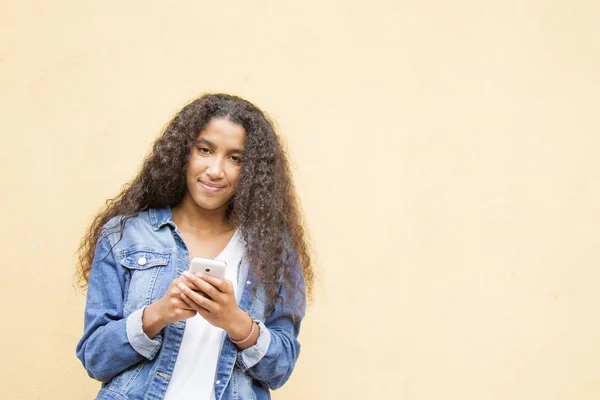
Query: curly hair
<point x="265" y="207"/>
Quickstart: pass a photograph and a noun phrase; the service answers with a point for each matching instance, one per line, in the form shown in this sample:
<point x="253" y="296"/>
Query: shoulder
<point x="126" y="223"/>
<point x="124" y="232"/>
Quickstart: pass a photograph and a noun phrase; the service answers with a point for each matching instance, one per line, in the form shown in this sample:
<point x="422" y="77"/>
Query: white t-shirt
<point x="196" y="364"/>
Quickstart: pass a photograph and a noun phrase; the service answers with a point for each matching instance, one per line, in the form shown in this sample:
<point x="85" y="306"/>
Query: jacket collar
<point x="160" y="217"/>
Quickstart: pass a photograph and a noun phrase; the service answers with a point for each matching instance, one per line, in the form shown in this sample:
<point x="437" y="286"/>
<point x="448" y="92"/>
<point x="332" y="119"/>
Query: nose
<point x="215" y="169"/>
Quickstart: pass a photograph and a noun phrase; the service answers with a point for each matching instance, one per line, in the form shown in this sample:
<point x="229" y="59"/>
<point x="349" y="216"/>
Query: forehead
<point x="223" y="133"/>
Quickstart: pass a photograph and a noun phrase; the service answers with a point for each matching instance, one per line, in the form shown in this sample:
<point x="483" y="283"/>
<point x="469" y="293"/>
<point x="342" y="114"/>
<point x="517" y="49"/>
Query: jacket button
<point x="142" y="261"/>
<point x="218" y="382"/>
<point x="248" y="282"/>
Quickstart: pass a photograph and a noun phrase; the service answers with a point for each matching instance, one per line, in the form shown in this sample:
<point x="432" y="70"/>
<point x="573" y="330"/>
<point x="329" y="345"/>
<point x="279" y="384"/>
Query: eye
<point x="236" y="159"/>
<point x="203" y="150"/>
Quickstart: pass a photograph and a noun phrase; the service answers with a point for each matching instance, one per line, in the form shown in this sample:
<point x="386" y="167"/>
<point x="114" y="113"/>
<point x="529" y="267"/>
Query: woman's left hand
<point x="219" y="306"/>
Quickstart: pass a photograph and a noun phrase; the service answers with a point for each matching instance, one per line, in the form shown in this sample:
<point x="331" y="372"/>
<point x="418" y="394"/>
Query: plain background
<point x="446" y="154"/>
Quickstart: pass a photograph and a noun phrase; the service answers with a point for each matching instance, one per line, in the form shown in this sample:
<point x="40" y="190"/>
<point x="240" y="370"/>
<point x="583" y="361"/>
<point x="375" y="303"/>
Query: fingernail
<point x="187" y="273"/>
<point x="181" y="286"/>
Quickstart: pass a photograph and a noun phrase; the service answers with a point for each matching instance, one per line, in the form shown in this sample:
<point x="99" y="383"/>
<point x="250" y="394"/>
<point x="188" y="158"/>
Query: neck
<point x="190" y="218"/>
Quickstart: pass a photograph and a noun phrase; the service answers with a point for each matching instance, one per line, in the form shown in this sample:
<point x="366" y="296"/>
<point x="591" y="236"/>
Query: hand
<point x="167" y="310"/>
<point x="216" y="303"/>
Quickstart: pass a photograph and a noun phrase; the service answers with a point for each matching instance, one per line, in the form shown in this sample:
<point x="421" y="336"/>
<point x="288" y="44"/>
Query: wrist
<point x="152" y="323"/>
<point x="241" y="326"/>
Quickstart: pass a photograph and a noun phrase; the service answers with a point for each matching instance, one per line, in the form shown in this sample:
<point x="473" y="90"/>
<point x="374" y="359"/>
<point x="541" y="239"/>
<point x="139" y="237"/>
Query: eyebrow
<point x="211" y="144"/>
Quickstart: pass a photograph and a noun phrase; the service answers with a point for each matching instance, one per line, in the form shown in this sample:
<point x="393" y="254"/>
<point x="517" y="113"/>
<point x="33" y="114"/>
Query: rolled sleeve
<point x="249" y="357"/>
<point x="138" y="339"/>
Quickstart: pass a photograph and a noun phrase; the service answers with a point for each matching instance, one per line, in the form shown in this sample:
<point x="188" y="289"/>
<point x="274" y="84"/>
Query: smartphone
<point x="207" y="266"/>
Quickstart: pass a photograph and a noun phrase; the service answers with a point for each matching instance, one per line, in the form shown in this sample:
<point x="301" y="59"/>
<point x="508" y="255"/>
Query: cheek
<point x="234" y="177"/>
<point x="195" y="167"/>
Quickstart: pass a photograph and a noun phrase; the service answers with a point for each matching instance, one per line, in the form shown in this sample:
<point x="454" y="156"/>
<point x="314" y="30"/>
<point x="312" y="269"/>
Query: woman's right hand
<point x="167" y="310"/>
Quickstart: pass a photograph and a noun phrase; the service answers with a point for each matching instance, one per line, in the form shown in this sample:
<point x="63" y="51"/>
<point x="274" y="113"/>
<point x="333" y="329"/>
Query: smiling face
<point x="215" y="164"/>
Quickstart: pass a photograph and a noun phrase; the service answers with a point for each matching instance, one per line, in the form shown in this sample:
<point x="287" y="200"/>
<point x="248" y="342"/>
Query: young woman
<point x="216" y="185"/>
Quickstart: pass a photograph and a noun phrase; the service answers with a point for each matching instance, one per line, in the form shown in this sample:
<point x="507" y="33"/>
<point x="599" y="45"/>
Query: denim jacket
<point x="131" y="272"/>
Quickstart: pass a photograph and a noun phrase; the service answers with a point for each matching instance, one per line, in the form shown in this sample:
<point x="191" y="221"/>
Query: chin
<point x="208" y="204"/>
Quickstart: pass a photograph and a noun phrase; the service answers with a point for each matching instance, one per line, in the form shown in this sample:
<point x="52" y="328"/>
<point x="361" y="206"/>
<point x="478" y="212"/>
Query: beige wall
<point x="446" y="154"/>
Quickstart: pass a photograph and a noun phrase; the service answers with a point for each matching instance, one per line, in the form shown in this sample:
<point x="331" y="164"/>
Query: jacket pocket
<point x="105" y="394"/>
<point x="146" y="268"/>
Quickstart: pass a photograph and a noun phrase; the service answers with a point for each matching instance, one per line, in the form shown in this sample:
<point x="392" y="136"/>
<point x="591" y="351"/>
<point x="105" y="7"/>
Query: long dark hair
<point x="265" y="206"/>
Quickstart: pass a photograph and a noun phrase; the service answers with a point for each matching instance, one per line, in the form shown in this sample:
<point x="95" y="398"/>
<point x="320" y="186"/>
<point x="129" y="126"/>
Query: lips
<point x="211" y="187"/>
